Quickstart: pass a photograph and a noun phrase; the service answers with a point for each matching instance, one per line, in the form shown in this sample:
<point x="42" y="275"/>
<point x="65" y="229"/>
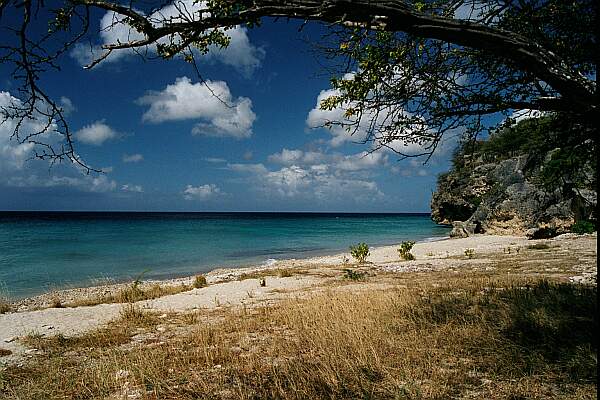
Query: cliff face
<point x="506" y="194"/>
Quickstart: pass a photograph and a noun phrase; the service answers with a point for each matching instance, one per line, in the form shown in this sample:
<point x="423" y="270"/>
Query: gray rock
<point x="500" y="198"/>
<point x="462" y="229"/>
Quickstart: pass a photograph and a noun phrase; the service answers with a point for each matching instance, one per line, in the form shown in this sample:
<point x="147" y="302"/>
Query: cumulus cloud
<point x="319" y="182"/>
<point x="403" y="144"/>
<point x="337" y="161"/>
<point x="96" y="133"/>
<point x="240" y="54"/>
<point x="202" y="192"/>
<point x="67" y="105"/>
<point x="132" y="188"/>
<point x="318" y="118"/>
<point x="132" y="158"/>
<point x="220" y="114"/>
<point x="18" y="170"/>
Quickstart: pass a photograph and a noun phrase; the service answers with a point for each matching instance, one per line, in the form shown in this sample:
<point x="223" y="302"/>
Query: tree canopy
<point x="407" y="71"/>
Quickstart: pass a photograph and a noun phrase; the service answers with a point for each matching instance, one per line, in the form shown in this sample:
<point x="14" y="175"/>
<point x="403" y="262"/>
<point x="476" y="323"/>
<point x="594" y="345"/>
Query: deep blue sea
<point x="46" y="251"/>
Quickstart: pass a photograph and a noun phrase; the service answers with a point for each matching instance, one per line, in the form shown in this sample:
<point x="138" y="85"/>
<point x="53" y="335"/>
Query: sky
<point x="166" y="143"/>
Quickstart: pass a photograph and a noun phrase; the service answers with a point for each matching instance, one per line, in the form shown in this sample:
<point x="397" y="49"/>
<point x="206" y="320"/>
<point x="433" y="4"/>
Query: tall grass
<point x="468" y="337"/>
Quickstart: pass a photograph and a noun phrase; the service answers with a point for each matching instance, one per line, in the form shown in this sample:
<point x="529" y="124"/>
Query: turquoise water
<point x="45" y="251"/>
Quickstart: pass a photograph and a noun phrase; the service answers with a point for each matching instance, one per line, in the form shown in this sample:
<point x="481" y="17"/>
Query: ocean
<point x="44" y="251"/>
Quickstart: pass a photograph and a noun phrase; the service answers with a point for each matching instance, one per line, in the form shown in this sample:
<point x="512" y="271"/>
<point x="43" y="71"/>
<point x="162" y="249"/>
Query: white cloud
<point x="132" y="158"/>
<point x="96" y="133"/>
<point x="19" y="169"/>
<point x="240" y="54"/>
<point x="67" y="105"/>
<point x="521" y="115"/>
<point x="132" y="188"/>
<point x="221" y="115"/>
<point x="338" y="162"/>
<point x="202" y="193"/>
<point x="318" y="182"/>
<point x="358" y="131"/>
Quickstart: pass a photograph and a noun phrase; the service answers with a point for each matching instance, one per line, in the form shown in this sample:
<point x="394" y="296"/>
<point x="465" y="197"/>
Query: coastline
<point x="73" y="293"/>
<point x="429" y="253"/>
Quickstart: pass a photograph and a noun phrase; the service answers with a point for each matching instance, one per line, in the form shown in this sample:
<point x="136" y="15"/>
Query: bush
<point x="582" y="227"/>
<point x="5" y="305"/>
<point x="353" y="275"/>
<point x="469" y="253"/>
<point x="360" y="252"/>
<point x="199" y="281"/>
<point x="404" y="250"/>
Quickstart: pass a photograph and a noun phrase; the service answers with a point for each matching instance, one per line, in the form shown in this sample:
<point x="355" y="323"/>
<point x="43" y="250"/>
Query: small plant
<point x="285" y="273"/>
<point x="538" y="246"/>
<point x="56" y="303"/>
<point x="353" y="275"/>
<point x="133" y="313"/>
<point x="5" y="305"/>
<point x="360" y="252"/>
<point x="200" y="281"/>
<point x="469" y="253"/>
<point x="404" y="250"/>
<point x="582" y="227"/>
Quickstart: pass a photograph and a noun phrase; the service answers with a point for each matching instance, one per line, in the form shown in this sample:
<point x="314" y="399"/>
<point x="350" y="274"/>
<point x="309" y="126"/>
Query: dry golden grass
<point x="279" y="272"/>
<point x="440" y="336"/>
<point x="131" y="294"/>
<point x="5" y="305"/>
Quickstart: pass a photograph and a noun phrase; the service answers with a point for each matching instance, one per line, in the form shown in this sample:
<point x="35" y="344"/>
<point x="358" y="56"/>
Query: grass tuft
<point x="200" y="281"/>
<point x="132" y="293"/>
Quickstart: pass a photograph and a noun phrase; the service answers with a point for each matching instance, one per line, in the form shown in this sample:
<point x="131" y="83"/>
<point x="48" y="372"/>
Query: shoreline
<point x="430" y="254"/>
<point x="106" y="286"/>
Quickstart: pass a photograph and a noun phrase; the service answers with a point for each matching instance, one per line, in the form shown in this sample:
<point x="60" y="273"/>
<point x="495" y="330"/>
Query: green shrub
<point x="353" y="275"/>
<point x="469" y="253"/>
<point x="404" y="250"/>
<point x="200" y="281"/>
<point x="582" y="227"/>
<point x="360" y="252"/>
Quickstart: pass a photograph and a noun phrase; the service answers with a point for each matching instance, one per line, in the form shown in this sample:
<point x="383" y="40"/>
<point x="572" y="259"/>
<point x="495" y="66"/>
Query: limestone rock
<point x="500" y="198"/>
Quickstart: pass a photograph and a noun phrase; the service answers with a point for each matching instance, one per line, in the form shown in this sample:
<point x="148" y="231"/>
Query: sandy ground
<point x="226" y="290"/>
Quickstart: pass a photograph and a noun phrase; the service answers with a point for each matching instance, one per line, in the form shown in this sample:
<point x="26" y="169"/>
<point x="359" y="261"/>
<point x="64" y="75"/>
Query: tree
<point x="414" y="70"/>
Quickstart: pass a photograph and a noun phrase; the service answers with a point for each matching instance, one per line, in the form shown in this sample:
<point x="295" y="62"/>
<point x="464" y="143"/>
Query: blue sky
<point x="167" y="144"/>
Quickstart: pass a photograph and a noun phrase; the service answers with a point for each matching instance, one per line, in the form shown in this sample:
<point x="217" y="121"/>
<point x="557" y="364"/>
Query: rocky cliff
<point x="517" y="182"/>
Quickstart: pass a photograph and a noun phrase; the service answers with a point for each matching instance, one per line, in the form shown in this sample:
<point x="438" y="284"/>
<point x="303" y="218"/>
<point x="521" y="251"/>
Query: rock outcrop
<point x="503" y="195"/>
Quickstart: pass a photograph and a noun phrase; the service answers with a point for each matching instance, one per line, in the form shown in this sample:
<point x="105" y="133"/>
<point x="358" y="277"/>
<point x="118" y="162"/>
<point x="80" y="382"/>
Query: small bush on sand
<point x="5" y="305"/>
<point x="582" y="227"/>
<point x="56" y="303"/>
<point x="404" y="250"/>
<point x="469" y="253"/>
<point x="353" y="275"/>
<point x="360" y="252"/>
<point x="200" y="281"/>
